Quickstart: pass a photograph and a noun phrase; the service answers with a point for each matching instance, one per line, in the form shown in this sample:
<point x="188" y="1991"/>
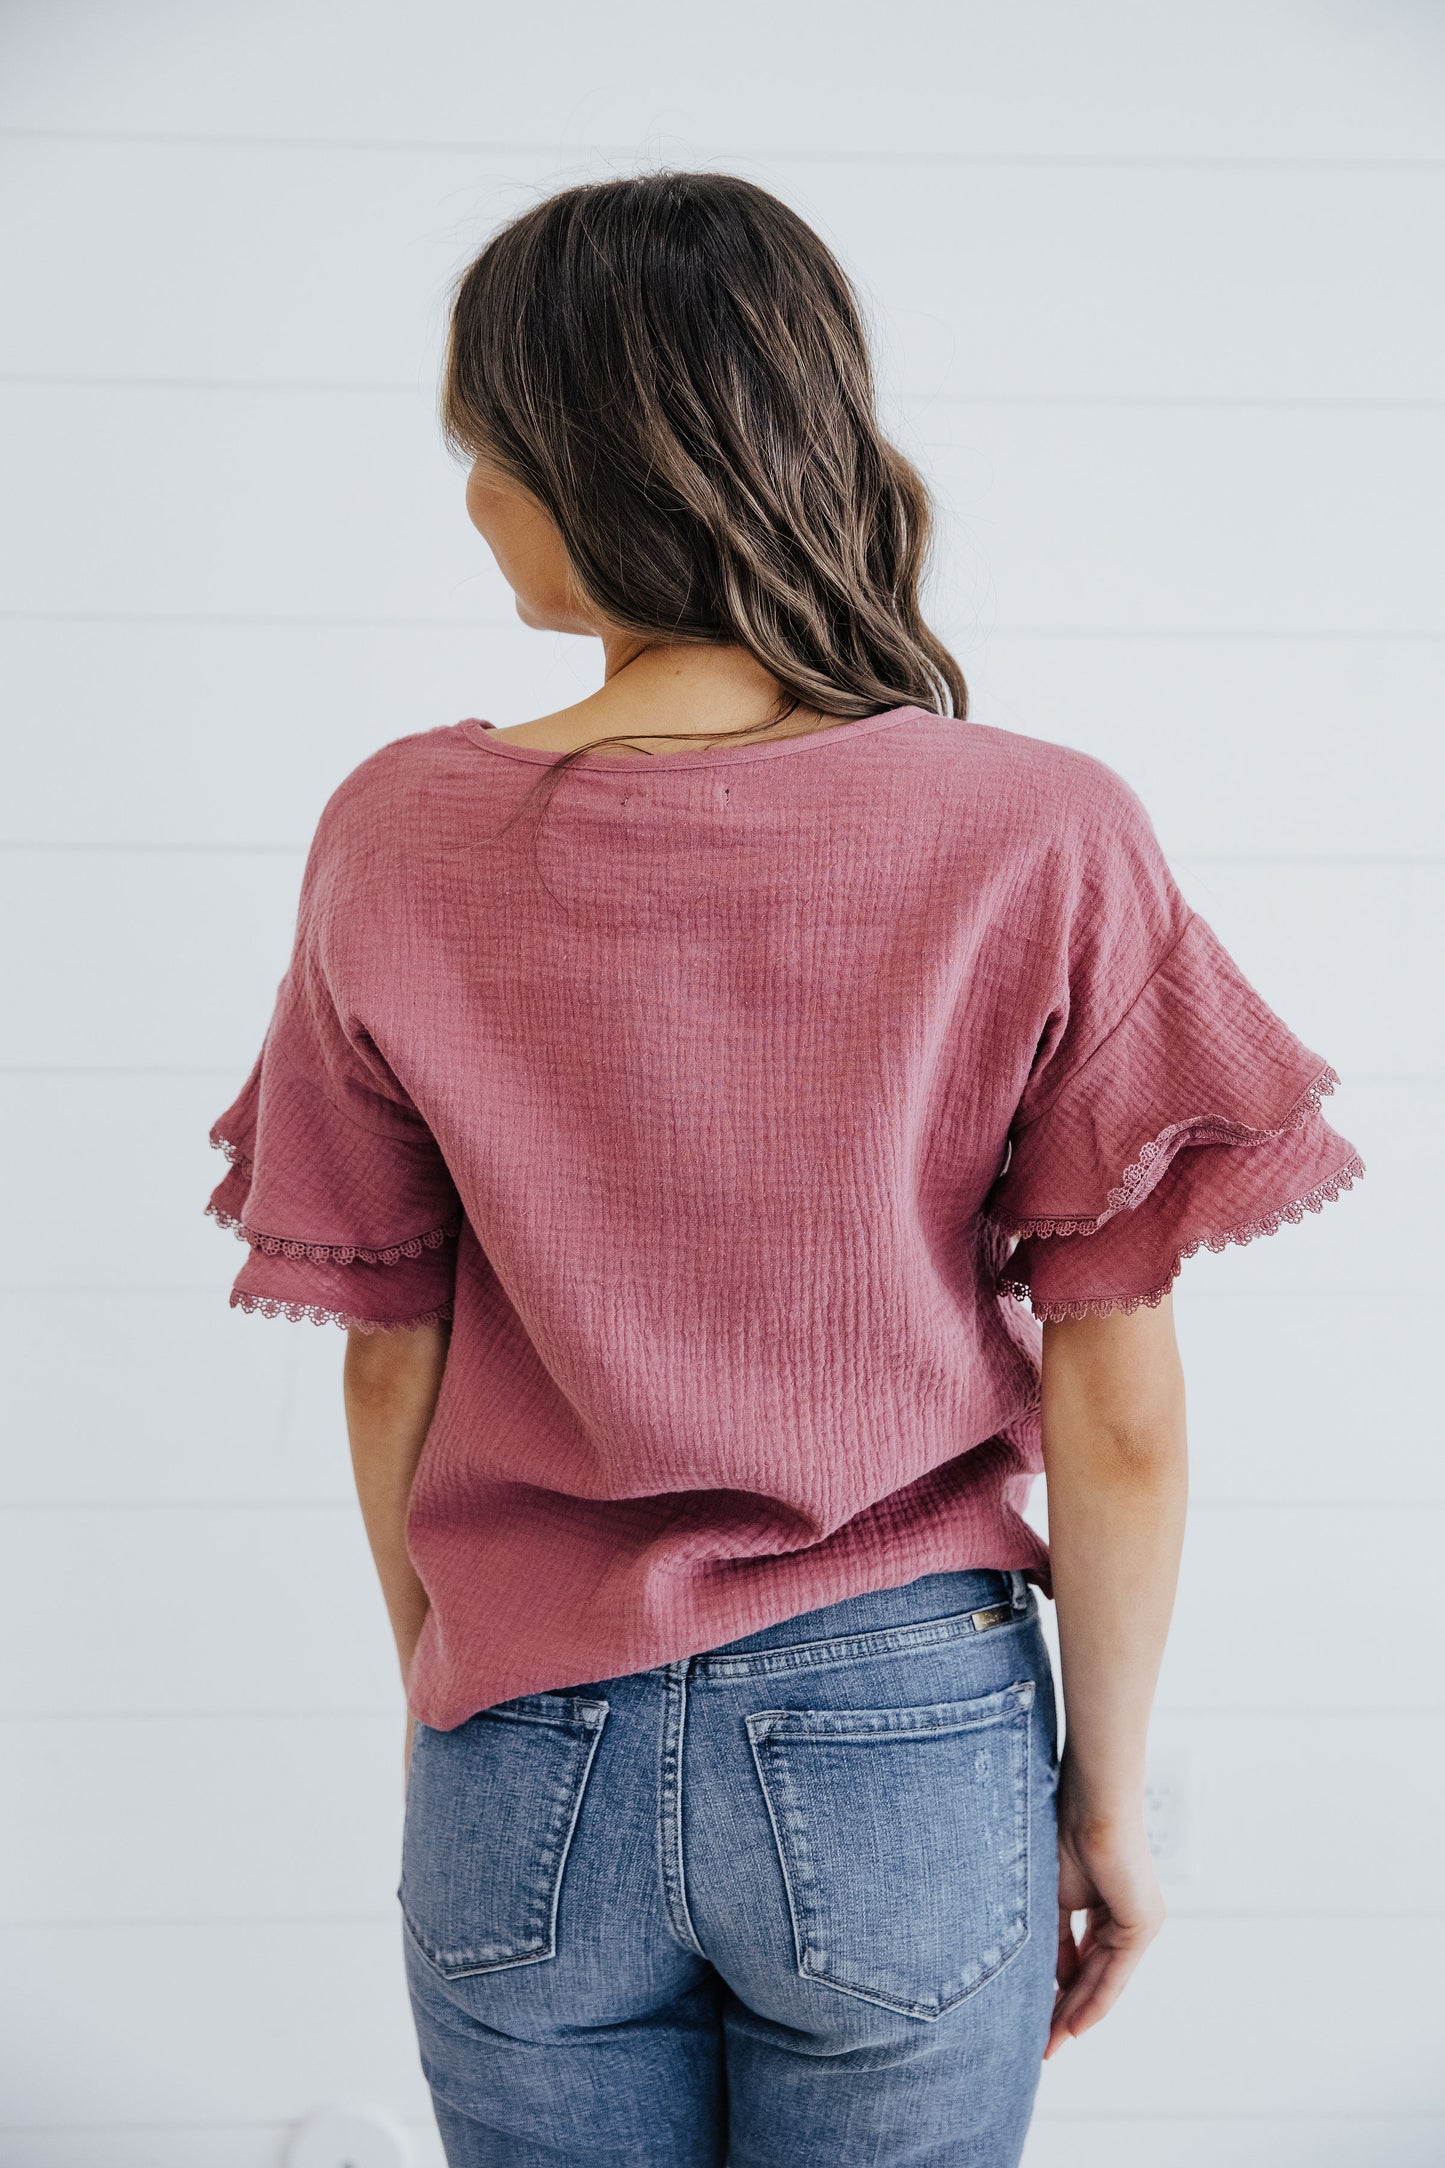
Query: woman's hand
<point x="1105" y="1870"/>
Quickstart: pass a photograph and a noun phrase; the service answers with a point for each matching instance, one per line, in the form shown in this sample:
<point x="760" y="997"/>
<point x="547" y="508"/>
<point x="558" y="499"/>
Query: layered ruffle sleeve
<point x="335" y="1184"/>
<point x="1189" y="1121"/>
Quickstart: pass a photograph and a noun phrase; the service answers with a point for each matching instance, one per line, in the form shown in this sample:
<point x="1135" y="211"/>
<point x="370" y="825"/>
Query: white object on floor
<point x="349" y="2137"/>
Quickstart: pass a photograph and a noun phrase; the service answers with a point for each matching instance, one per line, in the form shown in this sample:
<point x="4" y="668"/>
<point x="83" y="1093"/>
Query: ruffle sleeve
<point x="336" y="1184"/>
<point x="1194" y="1123"/>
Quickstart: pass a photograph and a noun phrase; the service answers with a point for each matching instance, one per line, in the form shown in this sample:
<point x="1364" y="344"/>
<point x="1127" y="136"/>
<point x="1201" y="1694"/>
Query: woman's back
<point x="683" y="1092"/>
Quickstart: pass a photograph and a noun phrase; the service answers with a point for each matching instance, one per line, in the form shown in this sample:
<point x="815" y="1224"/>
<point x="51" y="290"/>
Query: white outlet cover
<point x="1171" y="1790"/>
<point x="349" y="2136"/>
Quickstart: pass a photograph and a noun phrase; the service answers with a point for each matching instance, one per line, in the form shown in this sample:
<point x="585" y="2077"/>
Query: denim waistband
<point x="935" y="1596"/>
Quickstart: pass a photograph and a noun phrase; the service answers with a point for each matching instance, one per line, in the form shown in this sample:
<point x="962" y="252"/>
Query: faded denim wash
<point x="790" y="1904"/>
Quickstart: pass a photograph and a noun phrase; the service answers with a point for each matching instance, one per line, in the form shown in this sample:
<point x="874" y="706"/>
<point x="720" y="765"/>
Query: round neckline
<point x="485" y="734"/>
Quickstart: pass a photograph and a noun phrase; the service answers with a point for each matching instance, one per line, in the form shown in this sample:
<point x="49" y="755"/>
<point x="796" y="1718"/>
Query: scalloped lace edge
<point x="233" y="1152"/>
<point x="1315" y="1200"/>
<point x="324" y="1253"/>
<point x="313" y="1313"/>
<point x="1140" y="1176"/>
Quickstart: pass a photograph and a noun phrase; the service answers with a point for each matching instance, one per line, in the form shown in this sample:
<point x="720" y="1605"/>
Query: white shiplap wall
<point x="1161" y="314"/>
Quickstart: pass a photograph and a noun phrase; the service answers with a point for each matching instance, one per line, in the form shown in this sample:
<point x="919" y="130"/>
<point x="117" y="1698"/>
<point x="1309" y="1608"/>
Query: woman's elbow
<point x="1113" y="1394"/>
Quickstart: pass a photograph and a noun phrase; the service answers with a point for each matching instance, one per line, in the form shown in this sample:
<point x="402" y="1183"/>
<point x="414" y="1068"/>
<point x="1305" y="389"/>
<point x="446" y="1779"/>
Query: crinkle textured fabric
<point x="725" y="1101"/>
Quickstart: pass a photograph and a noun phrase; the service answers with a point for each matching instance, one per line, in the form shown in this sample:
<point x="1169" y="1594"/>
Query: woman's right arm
<point x="1116" y="1466"/>
<point x="391" y="1381"/>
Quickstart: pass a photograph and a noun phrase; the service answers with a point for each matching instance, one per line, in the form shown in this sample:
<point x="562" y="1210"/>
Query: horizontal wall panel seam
<point x="1406" y="635"/>
<point x="1223" y="402"/>
<point x="1366" y="2116"/>
<point x="130" y="2130"/>
<point x="758" y="154"/>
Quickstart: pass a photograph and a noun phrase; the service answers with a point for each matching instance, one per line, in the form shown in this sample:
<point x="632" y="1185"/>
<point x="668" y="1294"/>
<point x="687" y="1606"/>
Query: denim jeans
<point x="790" y="1904"/>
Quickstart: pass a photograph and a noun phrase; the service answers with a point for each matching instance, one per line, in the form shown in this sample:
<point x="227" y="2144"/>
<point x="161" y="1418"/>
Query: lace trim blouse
<point x="743" y="1109"/>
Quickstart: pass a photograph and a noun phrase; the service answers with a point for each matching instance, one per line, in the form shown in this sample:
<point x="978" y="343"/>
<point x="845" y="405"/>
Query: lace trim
<point x="1315" y="1200"/>
<point x="233" y="1152"/>
<point x="328" y="1253"/>
<point x="1140" y="1177"/>
<point x="299" y="1312"/>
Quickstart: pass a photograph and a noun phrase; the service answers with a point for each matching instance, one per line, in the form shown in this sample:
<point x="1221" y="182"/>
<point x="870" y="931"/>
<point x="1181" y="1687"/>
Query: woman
<point x="672" y="1097"/>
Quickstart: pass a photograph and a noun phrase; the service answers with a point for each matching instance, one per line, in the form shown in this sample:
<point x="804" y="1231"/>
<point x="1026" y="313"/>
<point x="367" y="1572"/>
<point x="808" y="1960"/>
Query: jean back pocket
<point x="903" y="1836"/>
<point x="490" y="1812"/>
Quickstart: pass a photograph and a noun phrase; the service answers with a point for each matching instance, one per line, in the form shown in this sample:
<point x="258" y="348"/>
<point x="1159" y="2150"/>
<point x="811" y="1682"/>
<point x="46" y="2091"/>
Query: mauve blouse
<point x="725" y="1102"/>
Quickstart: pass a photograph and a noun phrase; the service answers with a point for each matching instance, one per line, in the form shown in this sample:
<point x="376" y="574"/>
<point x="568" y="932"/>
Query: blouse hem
<point x="328" y="1253"/>
<point x="1140" y="1176"/>
<point x="1313" y="1200"/>
<point x="316" y="1314"/>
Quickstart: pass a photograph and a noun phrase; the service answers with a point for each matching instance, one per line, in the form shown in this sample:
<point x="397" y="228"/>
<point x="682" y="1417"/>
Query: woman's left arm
<point x="391" y="1381"/>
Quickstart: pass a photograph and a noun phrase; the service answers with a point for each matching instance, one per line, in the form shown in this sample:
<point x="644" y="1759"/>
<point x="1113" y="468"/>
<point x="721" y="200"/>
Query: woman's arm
<point x="1115" y="1460"/>
<point x="391" y="1381"/>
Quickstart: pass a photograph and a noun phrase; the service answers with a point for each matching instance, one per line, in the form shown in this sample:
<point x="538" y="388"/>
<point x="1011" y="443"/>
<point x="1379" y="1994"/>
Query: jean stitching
<point x="852" y="1648"/>
<point x="540" y="1909"/>
<point x="531" y="1945"/>
<point x="565" y="1848"/>
<point x="795" y="1861"/>
<point x="669" y="1833"/>
<point x="983" y="1713"/>
<point x="800" y="1952"/>
<point x="1026" y="1835"/>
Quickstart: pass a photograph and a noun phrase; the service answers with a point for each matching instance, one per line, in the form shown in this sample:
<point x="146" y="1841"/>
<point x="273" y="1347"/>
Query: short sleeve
<point x="1193" y="1123"/>
<point x="336" y="1184"/>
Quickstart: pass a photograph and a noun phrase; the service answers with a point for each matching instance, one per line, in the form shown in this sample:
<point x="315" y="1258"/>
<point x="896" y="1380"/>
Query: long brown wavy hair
<point x="676" y="368"/>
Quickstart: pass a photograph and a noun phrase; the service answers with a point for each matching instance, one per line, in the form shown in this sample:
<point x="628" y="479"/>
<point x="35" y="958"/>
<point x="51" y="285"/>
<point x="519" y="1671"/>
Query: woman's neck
<point x="669" y="694"/>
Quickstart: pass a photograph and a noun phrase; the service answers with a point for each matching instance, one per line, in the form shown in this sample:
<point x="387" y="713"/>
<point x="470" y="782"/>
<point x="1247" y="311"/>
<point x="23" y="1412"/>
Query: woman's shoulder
<point x="401" y="787"/>
<point x="1034" y="786"/>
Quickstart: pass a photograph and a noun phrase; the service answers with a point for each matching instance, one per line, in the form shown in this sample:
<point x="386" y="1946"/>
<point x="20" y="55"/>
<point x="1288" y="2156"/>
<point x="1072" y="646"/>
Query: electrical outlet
<point x="1171" y="1812"/>
<point x="349" y="2136"/>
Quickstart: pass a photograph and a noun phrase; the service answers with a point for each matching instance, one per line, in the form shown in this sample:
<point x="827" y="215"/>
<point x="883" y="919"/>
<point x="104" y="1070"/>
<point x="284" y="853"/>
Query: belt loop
<point x="1018" y="1590"/>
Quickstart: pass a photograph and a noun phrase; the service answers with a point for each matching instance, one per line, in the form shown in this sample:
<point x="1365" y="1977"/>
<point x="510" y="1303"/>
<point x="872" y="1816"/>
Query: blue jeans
<point x="790" y="1904"/>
